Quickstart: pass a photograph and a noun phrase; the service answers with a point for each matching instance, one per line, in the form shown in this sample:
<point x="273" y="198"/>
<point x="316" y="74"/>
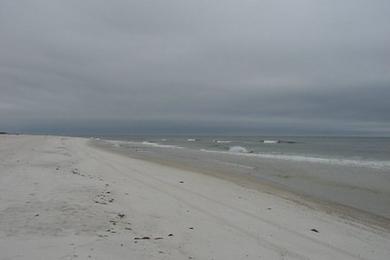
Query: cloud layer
<point x="245" y="66"/>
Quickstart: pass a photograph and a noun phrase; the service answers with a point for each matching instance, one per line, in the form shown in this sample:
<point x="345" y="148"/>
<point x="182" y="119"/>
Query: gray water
<point x="370" y="151"/>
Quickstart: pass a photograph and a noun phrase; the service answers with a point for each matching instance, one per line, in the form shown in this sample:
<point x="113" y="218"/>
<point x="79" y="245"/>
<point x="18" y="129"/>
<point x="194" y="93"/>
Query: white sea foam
<point x="238" y="149"/>
<point x="271" y="141"/>
<point x="222" y="141"/>
<point x="241" y="151"/>
<point x="191" y="140"/>
<point x="157" y="144"/>
<point x="119" y="143"/>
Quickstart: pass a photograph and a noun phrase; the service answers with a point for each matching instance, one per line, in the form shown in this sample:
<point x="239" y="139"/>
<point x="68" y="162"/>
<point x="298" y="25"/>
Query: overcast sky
<point x="229" y="66"/>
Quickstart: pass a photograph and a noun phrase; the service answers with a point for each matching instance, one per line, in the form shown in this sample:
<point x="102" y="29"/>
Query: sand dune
<point x="61" y="198"/>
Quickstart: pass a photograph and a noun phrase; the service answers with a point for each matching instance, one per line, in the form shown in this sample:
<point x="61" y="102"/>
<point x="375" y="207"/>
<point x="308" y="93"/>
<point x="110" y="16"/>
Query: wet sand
<point x="367" y="190"/>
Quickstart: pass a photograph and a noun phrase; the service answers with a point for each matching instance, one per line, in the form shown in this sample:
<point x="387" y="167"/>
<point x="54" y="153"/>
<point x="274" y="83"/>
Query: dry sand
<point x="61" y="198"/>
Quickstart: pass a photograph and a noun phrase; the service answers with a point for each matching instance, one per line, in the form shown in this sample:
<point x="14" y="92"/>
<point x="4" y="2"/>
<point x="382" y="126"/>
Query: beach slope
<point x="61" y="198"/>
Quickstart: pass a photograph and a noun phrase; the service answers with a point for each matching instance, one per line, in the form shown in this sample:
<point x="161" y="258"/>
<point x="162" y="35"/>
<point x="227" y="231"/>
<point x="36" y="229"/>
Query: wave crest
<point x="238" y="149"/>
<point x="160" y="145"/>
<point x="301" y="158"/>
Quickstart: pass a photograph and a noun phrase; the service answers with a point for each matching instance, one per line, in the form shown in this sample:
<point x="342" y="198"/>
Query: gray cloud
<point x="245" y="66"/>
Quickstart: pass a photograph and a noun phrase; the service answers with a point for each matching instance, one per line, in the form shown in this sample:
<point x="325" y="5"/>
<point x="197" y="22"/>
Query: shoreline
<point x="63" y="198"/>
<point x="262" y="185"/>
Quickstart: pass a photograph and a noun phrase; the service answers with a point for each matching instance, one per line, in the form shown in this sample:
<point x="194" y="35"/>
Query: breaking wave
<point x="241" y="151"/>
<point x="222" y="141"/>
<point x="238" y="149"/>
<point x="157" y="144"/>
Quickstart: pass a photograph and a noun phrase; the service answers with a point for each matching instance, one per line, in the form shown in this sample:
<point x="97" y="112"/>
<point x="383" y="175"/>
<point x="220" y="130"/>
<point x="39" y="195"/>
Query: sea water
<point x="365" y="151"/>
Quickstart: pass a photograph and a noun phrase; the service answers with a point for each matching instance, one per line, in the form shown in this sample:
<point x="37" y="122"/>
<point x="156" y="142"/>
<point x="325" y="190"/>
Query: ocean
<point x="365" y="151"/>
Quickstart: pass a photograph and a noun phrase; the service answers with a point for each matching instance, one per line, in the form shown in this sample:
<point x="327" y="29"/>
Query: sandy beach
<point x="63" y="198"/>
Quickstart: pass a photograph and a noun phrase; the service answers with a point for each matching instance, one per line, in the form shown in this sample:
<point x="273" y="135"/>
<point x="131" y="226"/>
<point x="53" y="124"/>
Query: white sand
<point x="63" y="199"/>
